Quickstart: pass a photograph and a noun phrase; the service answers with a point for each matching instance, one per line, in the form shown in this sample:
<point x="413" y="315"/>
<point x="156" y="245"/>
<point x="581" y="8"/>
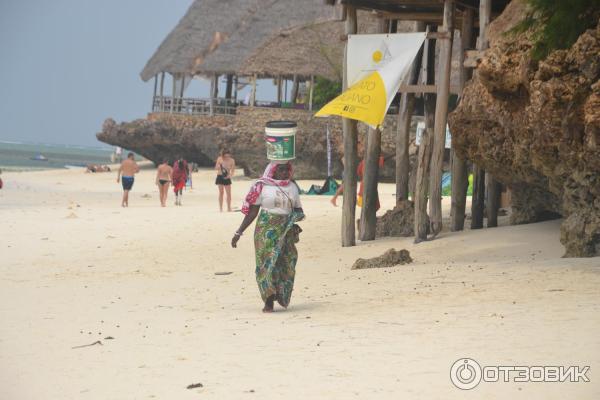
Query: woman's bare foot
<point x="334" y="201"/>
<point x="269" y="305"/>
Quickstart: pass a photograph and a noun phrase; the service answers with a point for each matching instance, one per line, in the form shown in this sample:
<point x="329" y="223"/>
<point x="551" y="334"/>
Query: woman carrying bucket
<point x="275" y="200"/>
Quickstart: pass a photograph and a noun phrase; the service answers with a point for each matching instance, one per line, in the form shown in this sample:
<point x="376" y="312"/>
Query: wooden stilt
<point x="425" y="148"/>
<point x="173" y="95"/>
<point x="350" y="131"/>
<point x="253" y="95"/>
<point x="493" y="189"/>
<point x="229" y="87"/>
<point x="407" y="105"/>
<point x="279" y="86"/>
<point x="295" y="87"/>
<point x="368" y="218"/>
<point x="441" y="115"/>
<point x="310" y="93"/>
<point x="153" y="108"/>
<point x="235" y="89"/>
<point x="162" y="92"/>
<point x="368" y="214"/>
<point x="212" y="96"/>
<point x="460" y="169"/>
<point x="478" y="202"/>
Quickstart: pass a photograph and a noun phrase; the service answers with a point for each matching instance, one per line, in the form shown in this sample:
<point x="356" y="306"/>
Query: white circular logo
<point x="465" y="373"/>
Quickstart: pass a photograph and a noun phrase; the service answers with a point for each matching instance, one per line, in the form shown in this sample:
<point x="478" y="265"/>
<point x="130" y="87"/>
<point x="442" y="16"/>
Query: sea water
<point x="16" y="156"/>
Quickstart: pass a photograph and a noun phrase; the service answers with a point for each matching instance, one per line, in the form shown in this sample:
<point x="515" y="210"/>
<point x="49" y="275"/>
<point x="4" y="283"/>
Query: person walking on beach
<point x="225" y="167"/>
<point x="275" y="200"/>
<point x="126" y="174"/>
<point x="164" y="176"/>
<point x="180" y="171"/>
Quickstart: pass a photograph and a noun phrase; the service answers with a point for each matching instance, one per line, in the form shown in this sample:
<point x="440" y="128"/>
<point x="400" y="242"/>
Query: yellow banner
<point x="364" y="101"/>
<point x="375" y="68"/>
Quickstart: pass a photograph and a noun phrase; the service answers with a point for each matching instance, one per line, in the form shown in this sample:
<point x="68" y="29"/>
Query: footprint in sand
<point x="71" y="216"/>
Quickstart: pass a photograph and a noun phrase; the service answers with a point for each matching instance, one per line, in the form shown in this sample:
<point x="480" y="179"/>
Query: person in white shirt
<point x="275" y="200"/>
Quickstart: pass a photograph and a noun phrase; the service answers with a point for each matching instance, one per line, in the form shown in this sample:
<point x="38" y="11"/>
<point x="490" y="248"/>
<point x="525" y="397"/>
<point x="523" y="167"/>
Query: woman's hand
<point x="235" y="239"/>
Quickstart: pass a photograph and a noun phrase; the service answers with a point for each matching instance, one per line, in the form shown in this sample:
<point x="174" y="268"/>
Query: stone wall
<point x="199" y="138"/>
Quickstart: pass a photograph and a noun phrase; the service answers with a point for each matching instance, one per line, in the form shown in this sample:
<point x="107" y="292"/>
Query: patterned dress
<point x="276" y="255"/>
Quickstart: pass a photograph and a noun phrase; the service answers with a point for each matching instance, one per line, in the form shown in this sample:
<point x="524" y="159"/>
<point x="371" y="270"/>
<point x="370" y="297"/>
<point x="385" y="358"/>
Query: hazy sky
<point x="66" y="65"/>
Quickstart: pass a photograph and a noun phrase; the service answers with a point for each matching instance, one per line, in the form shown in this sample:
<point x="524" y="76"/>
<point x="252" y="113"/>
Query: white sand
<point x="76" y="268"/>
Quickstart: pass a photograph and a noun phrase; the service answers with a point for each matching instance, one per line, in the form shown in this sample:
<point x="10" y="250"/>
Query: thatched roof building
<point x="203" y="27"/>
<point x="315" y="49"/>
<point x="256" y="30"/>
<point x="219" y="36"/>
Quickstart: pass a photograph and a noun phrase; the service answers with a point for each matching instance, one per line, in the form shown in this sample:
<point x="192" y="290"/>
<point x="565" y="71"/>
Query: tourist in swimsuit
<point x="225" y="167"/>
<point x="180" y="171"/>
<point x="275" y="200"/>
<point x="164" y="176"/>
<point x="126" y="173"/>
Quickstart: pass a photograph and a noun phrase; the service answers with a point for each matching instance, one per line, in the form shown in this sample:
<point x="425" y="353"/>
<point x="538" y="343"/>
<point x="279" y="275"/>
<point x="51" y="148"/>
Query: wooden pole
<point x="460" y="169"/>
<point x="253" y="95"/>
<point x="493" y="189"/>
<point x="350" y="131"/>
<point x="310" y="93"/>
<point x="425" y="148"/>
<point x="235" y="89"/>
<point x="368" y="214"/>
<point x="407" y="105"/>
<point x="162" y="92"/>
<point x="229" y="86"/>
<point x="279" y="90"/>
<point x="154" y="95"/>
<point x="441" y="116"/>
<point x="211" y="109"/>
<point x="295" y="87"/>
<point x="478" y="201"/>
<point x="368" y="217"/>
<point x="173" y="93"/>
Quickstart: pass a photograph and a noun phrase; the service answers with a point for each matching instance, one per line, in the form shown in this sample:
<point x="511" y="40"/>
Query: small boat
<point x="39" y="157"/>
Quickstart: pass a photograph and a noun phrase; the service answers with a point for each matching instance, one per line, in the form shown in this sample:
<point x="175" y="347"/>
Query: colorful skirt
<point x="276" y="255"/>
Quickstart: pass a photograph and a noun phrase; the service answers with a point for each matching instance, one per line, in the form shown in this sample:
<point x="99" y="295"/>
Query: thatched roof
<point x="204" y="26"/>
<point x="256" y="29"/>
<point x="316" y="49"/>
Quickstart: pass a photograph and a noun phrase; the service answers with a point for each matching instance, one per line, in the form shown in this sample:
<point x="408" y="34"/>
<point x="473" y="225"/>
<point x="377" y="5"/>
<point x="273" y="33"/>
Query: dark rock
<point x="388" y="259"/>
<point x="400" y="221"/>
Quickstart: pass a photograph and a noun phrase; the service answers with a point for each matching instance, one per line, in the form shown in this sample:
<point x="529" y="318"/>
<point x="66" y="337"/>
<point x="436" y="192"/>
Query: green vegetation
<point x="556" y="24"/>
<point x="447" y="191"/>
<point x="325" y="91"/>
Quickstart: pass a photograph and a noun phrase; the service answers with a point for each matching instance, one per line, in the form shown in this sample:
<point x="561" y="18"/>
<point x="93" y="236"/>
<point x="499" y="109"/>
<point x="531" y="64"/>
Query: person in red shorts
<point x="180" y="175"/>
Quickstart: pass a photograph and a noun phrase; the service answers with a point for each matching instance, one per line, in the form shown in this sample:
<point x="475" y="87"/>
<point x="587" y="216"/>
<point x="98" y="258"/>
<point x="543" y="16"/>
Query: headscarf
<point x="266" y="179"/>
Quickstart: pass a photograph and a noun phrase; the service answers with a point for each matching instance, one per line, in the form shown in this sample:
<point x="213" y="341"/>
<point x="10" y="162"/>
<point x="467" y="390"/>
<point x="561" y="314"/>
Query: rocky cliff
<point x="536" y="127"/>
<point x="199" y="139"/>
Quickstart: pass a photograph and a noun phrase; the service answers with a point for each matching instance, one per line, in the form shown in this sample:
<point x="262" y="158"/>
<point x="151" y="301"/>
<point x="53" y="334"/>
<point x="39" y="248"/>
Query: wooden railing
<point x="193" y="106"/>
<point x="207" y="106"/>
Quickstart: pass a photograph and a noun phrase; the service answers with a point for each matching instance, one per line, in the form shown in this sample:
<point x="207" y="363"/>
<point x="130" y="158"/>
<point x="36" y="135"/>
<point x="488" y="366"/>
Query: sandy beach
<point x="76" y="268"/>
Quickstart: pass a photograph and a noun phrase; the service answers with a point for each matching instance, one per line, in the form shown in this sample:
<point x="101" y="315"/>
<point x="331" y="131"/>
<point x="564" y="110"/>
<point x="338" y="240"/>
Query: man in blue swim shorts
<point x="127" y="169"/>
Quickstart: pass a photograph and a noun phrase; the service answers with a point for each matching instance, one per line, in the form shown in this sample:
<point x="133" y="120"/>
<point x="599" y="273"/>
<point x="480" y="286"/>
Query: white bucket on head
<point x="280" y="138"/>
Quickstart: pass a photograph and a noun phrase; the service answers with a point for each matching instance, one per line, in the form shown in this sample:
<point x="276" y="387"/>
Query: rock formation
<point x="536" y="127"/>
<point x="400" y="221"/>
<point x="199" y="138"/>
